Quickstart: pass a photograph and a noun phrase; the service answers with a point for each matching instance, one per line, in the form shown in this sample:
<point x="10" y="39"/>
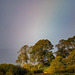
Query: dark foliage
<point x="15" y="70"/>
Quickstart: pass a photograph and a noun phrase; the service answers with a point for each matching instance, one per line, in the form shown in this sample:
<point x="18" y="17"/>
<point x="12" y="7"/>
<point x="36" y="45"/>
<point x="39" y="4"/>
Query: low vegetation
<point x="9" y="69"/>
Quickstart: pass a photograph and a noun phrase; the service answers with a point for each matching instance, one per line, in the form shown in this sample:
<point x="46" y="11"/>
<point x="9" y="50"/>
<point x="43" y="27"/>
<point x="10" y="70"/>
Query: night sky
<point x="24" y="22"/>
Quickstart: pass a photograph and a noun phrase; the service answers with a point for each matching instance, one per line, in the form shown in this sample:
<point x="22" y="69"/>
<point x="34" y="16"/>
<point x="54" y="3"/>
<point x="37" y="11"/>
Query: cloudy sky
<point x="24" y="22"/>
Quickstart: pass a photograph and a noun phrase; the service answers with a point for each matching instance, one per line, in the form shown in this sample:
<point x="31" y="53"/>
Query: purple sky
<point x="24" y="22"/>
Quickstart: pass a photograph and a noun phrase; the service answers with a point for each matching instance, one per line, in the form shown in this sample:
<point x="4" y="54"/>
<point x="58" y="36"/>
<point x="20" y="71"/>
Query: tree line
<point x="41" y="53"/>
<point x="40" y="58"/>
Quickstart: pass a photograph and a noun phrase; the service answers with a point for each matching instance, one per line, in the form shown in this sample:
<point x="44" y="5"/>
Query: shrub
<point x="10" y="69"/>
<point x="8" y="73"/>
<point x="70" y="69"/>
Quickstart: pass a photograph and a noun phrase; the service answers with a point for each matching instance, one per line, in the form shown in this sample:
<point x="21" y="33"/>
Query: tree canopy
<point x="23" y="56"/>
<point x="65" y="47"/>
<point x="41" y="51"/>
<point x="40" y="55"/>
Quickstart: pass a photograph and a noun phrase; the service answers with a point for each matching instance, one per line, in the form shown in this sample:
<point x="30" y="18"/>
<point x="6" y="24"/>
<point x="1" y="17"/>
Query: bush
<point x="70" y="69"/>
<point x="46" y="71"/>
<point x="28" y="66"/>
<point x="38" y="71"/>
<point x="56" y="65"/>
<point x="10" y="69"/>
<point x="8" y="73"/>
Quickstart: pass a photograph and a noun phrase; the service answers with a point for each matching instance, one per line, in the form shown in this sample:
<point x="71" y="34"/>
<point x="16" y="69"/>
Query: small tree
<point x="23" y="56"/>
<point x="56" y="65"/>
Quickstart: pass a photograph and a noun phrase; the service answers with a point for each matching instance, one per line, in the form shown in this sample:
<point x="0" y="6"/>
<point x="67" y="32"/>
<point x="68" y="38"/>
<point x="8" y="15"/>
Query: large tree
<point x="23" y="56"/>
<point x="65" y="47"/>
<point x="41" y="51"/>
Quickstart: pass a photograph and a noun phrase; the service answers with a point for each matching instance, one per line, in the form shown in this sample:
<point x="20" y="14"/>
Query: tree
<point x="65" y="47"/>
<point x="56" y="65"/>
<point x="23" y="56"/>
<point x="70" y="60"/>
<point x="50" y="57"/>
<point x="61" y="65"/>
<point x="32" y="55"/>
<point x="41" y="49"/>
